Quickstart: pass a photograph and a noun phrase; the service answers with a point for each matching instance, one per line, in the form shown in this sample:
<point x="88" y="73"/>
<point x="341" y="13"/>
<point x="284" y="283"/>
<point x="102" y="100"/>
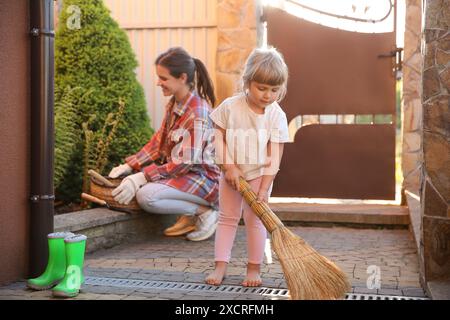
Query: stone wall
<point x="412" y="105"/>
<point x="435" y="184"/>
<point x="237" y="37"/>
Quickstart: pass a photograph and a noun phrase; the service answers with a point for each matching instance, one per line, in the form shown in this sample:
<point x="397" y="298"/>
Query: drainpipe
<point x="42" y="132"/>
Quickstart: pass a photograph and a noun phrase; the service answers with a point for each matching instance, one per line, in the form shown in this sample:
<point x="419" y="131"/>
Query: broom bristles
<point x="309" y="275"/>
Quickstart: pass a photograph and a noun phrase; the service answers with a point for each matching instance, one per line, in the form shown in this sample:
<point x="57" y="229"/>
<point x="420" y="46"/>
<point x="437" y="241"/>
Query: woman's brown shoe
<point x="184" y="225"/>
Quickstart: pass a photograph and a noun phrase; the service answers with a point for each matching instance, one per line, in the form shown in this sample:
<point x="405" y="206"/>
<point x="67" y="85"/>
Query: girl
<point x="163" y="184"/>
<point x="251" y="129"/>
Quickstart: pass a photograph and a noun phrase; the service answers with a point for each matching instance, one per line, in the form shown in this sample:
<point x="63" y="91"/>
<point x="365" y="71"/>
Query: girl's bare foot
<point x="216" y="277"/>
<point x="253" y="278"/>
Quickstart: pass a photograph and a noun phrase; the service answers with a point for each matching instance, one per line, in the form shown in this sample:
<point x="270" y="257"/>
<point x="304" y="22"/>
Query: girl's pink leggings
<point x="231" y="204"/>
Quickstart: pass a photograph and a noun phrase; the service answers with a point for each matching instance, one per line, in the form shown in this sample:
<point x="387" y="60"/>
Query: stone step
<point x="439" y="289"/>
<point x="353" y="214"/>
<point x="106" y="228"/>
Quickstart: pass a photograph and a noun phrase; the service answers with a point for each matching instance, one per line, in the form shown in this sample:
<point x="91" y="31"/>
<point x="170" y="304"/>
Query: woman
<point x="167" y="182"/>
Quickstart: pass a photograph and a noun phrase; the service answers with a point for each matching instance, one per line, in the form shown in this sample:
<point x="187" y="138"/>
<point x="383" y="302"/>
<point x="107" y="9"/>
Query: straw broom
<point x="309" y="275"/>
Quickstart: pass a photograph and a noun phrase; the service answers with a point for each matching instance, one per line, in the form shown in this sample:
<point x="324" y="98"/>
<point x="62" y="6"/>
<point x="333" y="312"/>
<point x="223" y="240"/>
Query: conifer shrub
<point x="94" y="75"/>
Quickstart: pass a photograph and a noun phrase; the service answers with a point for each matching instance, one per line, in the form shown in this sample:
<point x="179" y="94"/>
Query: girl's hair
<point x="178" y="61"/>
<point x="267" y="66"/>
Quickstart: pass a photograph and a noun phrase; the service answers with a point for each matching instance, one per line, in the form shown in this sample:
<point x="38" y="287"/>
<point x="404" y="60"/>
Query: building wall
<point x="153" y="26"/>
<point x="14" y="139"/>
<point x="412" y="105"/>
<point x="435" y="183"/>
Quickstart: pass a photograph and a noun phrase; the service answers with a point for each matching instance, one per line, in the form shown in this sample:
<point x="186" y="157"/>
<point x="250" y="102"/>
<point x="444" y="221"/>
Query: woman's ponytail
<point x="178" y="61"/>
<point x="205" y="87"/>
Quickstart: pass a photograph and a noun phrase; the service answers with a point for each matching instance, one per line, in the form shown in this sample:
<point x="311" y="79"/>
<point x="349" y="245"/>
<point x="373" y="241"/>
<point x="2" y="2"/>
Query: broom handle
<point x="267" y="216"/>
<point x="100" y="178"/>
<point x="251" y="198"/>
<point x="265" y="213"/>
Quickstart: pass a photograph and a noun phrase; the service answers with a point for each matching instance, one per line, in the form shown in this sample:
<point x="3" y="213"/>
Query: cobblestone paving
<point x="390" y="252"/>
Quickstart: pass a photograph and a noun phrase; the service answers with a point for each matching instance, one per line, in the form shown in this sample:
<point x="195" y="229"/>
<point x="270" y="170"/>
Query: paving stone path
<point x="384" y="257"/>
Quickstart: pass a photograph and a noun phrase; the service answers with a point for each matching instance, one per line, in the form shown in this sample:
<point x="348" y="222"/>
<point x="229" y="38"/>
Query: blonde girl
<point x="251" y="129"/>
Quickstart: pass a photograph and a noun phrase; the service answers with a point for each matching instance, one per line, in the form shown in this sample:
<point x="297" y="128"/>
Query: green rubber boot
<point x="56" y="265"/>
<point x="70" y="286"/>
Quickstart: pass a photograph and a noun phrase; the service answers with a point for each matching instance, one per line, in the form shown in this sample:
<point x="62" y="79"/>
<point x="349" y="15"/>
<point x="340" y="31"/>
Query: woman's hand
<point x="263" y="195"/>
<point x="232" y="174"/>
<point x="127" y="189"/>
<point x="123" y="169"/>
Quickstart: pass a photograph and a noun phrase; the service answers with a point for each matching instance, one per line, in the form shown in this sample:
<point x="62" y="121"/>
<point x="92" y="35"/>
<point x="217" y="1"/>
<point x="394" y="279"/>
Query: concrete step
<point x="439" y="289"/>
<point x="376" y="215"/>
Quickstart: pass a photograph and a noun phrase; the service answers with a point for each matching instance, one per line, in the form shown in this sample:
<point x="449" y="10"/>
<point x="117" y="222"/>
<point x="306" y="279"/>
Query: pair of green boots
<point x="65" y="265"/>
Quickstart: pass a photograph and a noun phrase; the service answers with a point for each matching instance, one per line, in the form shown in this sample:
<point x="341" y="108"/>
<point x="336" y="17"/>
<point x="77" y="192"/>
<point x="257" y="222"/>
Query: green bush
<point x="66" y="133"/>
<point x="95" y="57"/>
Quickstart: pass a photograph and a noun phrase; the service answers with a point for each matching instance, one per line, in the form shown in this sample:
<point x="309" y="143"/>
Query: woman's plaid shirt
<point x="181" y="153"/>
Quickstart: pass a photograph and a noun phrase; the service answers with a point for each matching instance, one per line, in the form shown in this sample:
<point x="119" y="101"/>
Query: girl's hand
<point x="232" y="175"/>
<point x="263" y="196"/>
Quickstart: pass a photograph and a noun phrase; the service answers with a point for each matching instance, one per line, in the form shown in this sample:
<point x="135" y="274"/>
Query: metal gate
<point x="340" y="106"/>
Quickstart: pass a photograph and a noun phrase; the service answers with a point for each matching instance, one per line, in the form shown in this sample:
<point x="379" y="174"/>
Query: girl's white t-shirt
<point x="248" y="133"/>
